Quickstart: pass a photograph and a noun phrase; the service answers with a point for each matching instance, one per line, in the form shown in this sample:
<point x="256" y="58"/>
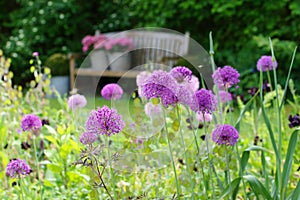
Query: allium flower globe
<point x="88" y="138"/>
<point x="225" y="96"/>
<point x="104" y="121"/>
<point x="112" y="91"/>
<point x="265" y="63"/>
<point x="76" y="101"/>
<point x="31" y="122"/>
<point x="181" y="74"/>
<point x="225" y="134"/>
<point x="17" y="168"/>
<point x="206" y="102"/>
<point x="161" y="85"/>
<point x="153" y="110"/>
<point x="226" y="77"/>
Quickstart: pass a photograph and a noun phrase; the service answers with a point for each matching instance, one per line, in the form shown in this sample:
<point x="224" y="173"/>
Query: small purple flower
<point x="88" y="138"/>
<point x="17" y="168"/>
<point x="181" y="74"/>
<point x="225" y="96"/>
<point x="225" y="134"/>
<point x="206" y="102"/>
<point x="294" y="121"/>
<point x="112" y="91"/>
<point x="161" y="85"/>
<point x="226" y="77"/>
<point x="76" y="101"/>
<point x="35" y="54"/>
<point x="207" y="117"/>
<point x="265" y="63"/>
<point x="104" y="121"/>
<point x="193" y="84"/>
<point x="31" y="122"/>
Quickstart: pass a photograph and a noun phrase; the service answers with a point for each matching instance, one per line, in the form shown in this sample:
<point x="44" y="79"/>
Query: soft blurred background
<point x="240" y="28"/>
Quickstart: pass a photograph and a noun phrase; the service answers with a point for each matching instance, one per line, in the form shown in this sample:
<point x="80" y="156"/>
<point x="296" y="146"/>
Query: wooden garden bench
<point x="151" y="47"/>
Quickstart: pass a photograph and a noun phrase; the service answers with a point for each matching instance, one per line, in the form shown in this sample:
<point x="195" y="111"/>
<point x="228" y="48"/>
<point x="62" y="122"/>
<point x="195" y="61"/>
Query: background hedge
<point x="240" y="27"/>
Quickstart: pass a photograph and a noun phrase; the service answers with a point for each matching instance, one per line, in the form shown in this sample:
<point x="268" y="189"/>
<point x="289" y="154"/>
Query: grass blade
<point x="288" y="162"/>
<point x="257" y="186"/>
<point x="233" y="184"/>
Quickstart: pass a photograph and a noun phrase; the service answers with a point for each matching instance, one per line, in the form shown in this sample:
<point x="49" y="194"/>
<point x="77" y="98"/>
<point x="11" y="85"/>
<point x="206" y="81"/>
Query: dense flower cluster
<point x="31" y="122"/>
<point x="17" y="168"/>
<point x="206" y="102"/>
<point x="181" y="74"/>
<point x="226" y="77"/>
<point x="153" y="110"/>
<point x="265" y="63"/>
<point x="160" y="84"/>
<point x="88" y="138"/>
<point x="294" y="121"/>
<point x="96" y="40"/>
<point x="193" y="84"/>
<point x="76" y="101"/>
<point x="225" y="134"/>
<point x="104" y="121"/>
<point x="112" y="91"/>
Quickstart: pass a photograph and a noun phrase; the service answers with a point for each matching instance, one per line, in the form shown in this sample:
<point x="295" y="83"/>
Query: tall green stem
<point x="227" y="172"/>
<point x="185" y="154"/>
<point x="111" y="171"/>
<point x="171" y="155"/>
<point x="37" y="165"/>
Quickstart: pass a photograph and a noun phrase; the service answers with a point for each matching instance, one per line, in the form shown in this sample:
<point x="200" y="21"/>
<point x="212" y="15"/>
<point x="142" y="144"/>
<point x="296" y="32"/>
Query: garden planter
<point x="119" y="61"/>
<point x="99" y="60"/>
<point x="60" y="84"/>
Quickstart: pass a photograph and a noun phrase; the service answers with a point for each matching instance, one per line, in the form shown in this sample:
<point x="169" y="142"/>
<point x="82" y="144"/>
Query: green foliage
<point x="59" y="64"/>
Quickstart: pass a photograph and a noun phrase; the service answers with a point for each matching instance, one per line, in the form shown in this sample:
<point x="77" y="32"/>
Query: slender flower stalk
<point x="37" y="166"/>
<point x="112" y="175"/>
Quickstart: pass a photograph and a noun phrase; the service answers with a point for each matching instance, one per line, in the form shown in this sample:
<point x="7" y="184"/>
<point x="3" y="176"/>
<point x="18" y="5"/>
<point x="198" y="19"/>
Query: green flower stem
<point x="171" y="155"/>
<point x="111" y="171"/>
<point x="37" y="165"/>
<point x="198" y="156"/>
<point x="208" y="157"/>
<point x="185" y="154"/>
<point x="227" y="171"/>
<point x="241" y="173"/>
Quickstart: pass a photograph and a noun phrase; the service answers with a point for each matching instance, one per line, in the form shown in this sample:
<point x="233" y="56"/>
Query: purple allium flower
<point x="193" y="84"/>
<point x="76" y="101"/>
<point x="35" y="54"/>
<point x="112" y="91"/>
<point x="31" y="122"/>
<point x="294" y="121"/>
<point x="104" y="121"/>
<point x="181" y="73"/>
<point x="17" y="167"/>
<point x="186" y="96"/>
<point x="265" y="63"/>
<point x="226" y="77"/>
<point x="161" y="85"/>
<point x="153" y="110"/>
<point x="225" y="96"/>
<point x="206" y="102"/>
<point x="88" y="138"/>
<point x="225" y="134"/>
<point x="140" y="80"/>
<point x="207" y="117"/>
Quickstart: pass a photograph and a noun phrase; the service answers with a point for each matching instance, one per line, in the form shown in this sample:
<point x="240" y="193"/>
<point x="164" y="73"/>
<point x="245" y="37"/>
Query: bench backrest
<point x="153" y="46"/>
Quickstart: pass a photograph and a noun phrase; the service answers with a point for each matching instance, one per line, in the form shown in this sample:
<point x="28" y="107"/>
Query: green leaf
<point x="54" y="167"/>
<point x="257" y="186"/>
<point x="296" y="193"/>
<point x="51" y="130"/>
<point x="232" y="185"/>
<point x="288" y="162"/>
<point x="51" y="139"/>
<point x="244" y="160"/>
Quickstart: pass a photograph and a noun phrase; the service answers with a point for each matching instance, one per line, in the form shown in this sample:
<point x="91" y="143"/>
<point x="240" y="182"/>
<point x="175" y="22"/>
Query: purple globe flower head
<point x="104" y="121"/>
<point x="225" y="96"/>
<point x="207" y="117"/>
<point x="140" y="80"/>
<point x="265" y="63"/>
<point x="88" y="138"/>
<point x="181" y="73"/>
<point x="186" y="96"/>
<point x="194" y="83"/>
<point x="161" y="85"/>
<point x="76" y="101"/>
<point x="17" y="168"/>
<point x="225" y="134"/>
<point x="112" y="91"/>
<point x="294" y="121"/>
<point x="226" y="77"/>
<point x="206" y="102"/>
<point x="31" y="122"/>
